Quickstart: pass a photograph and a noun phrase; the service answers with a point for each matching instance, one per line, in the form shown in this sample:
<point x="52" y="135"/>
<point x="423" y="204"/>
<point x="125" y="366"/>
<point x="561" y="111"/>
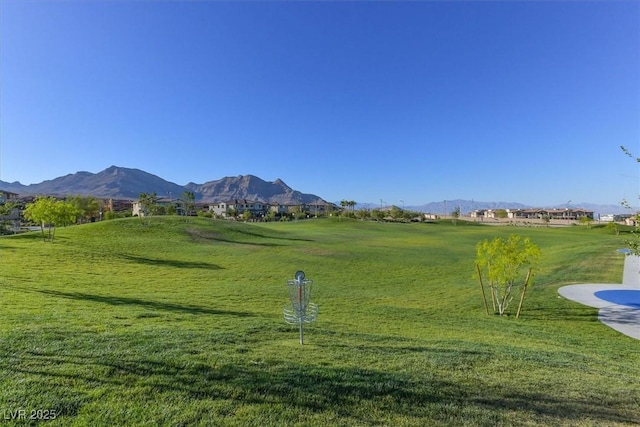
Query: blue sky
<point x="401" y="101"/>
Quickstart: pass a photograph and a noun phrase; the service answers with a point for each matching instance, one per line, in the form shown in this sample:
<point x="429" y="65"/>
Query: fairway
<point x="167" y="321"/>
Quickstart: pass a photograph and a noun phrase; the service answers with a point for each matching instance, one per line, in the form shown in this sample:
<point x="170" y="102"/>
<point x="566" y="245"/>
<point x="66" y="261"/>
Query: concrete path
<point x="622" y="318"/>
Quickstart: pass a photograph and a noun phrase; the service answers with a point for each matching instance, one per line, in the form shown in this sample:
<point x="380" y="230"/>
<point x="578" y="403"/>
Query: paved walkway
<point x="622" y="318"/>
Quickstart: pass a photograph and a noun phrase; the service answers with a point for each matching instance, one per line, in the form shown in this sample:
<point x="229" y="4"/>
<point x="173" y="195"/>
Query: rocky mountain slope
<point x="125" y="183"/>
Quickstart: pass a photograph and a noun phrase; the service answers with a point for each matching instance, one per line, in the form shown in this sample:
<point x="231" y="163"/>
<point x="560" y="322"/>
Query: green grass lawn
<point x="168" y="322"/>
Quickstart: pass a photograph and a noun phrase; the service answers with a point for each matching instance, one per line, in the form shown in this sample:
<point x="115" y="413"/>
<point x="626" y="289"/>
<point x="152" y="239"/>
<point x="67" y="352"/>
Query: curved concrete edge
<point x="585" y="293"/>
<point x="623" y="319"/>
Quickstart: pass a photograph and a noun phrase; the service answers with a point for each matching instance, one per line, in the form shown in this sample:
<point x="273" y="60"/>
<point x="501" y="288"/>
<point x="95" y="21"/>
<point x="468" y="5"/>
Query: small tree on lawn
<point x="503" y="263"/>
<point x="148" y="201"/>
<point x="6" y="209"/>
<point x="46" y="211"/>
<point x="41" y="211"/>
<point x="585" y="220"/>
<point x="455" y="214"/>
<point x="614" y="227"/>
<point x="87" y="207"/>
<point x="187" y="200"/>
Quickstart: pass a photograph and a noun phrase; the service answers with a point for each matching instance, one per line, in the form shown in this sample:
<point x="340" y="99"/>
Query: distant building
<point x="8" y="196"/>
<point x="607" y="218"/>
<point x="568" y="214"/>
<point x="163" y="202"/>
<point x="238" y="207"/>
<point x="118" y="205"/>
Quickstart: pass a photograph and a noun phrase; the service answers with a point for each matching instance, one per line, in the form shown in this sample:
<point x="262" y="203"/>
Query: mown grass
<point x="168" y="322"/>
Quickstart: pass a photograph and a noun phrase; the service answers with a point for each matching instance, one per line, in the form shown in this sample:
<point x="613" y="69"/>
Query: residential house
<point x="161" y="202"/>
<point x="7" y="196"/>
<point x="238" y="207"/>
<point x="568" y="214"/>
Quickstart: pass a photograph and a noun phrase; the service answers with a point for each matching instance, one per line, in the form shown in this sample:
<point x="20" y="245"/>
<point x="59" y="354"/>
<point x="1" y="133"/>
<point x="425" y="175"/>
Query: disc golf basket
<point x="300" y="311"/>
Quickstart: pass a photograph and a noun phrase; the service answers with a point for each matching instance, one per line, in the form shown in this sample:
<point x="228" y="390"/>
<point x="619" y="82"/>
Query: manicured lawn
<point x="168" y="322"/>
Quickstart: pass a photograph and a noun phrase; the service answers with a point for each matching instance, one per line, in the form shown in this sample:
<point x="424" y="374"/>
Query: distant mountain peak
<point x="126" y="183"/>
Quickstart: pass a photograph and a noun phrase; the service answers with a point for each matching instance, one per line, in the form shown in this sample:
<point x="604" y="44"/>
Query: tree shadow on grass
<point x="204" y="236"/>
<point x="266" y="236"/>
<point x="349" y="393"/>
<point x="153" y="305"/>
<point x="556" y="313"/>
<point x="171" y="262"/>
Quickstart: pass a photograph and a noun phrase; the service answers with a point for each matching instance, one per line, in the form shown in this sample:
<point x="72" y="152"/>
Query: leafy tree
<point x="149" y="204"/>
<point x="613" y="226"/>
<point x="5" y="210"/>
<point x="363" y="213"/>
<point x="395" y="212"/>
<point x="41" y="211"/>
<point x="270" y="216"/>
<point x="585" y="220"/>
<point x="246" y="215"/>
<point x="49" y="212"/>
<point x="377" y="214"/>
<point x="65" y="213"/>
<point x="187" y="200"/>
<point x="87" y="207"/>
<point x="502" y="213"/>
<point x="502" y="263"/>
<point x="455" y="214"/>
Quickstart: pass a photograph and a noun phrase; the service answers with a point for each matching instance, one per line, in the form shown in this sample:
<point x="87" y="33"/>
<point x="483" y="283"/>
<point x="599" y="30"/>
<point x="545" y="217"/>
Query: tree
<point x="270" y="216"/>
<point x="41" y="211"/>
<point x="501" y="213"/>
<point x="362" y="213"/>
<point x="585" y="220"/>
<point x="48" y="212"/>
<point x="377" y="214"/>
<point x="614" y="227"/>
<point x="65" y="213"/>
<point x="87" y="207"/>
<point x="455" y="214"/>
<point x="187" y="200"/>
<point x="148" y="201"/>
<point x="6" y="209"/>
<point x="502" y="263"/>
<point x="395" y="212"/>
<point x="350" y="207"/>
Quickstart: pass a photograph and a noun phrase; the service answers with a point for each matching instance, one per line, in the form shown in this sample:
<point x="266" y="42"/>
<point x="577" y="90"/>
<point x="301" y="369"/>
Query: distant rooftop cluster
<point x="534" y="213"/>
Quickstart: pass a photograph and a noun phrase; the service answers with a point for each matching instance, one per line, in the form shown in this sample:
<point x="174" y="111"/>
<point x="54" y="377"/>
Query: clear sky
<point x="414" y="101"/>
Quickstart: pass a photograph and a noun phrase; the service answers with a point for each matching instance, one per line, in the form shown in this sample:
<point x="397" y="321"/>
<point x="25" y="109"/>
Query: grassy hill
<point x="168" y="322"/>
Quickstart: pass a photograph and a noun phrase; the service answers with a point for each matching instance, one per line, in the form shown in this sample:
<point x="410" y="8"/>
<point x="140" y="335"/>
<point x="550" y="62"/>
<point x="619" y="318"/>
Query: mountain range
<point x="124" y="183"/>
